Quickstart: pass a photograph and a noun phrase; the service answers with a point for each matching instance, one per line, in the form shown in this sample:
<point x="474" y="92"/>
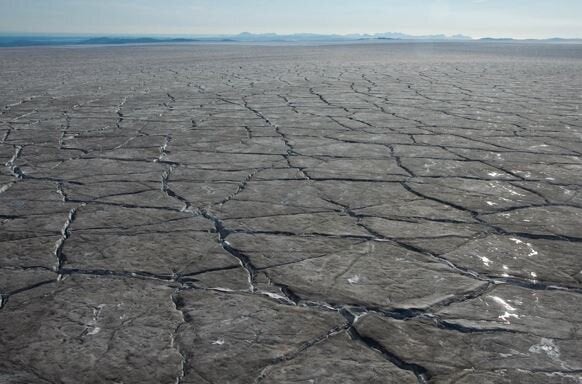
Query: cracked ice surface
<point x="387" y="213"/>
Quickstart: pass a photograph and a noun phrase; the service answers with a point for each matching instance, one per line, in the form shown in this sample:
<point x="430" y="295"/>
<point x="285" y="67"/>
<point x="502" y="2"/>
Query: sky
<point x="476" y="18"/>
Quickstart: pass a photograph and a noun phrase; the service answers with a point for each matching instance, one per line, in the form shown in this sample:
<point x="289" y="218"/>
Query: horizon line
<point x="457" y="36"/>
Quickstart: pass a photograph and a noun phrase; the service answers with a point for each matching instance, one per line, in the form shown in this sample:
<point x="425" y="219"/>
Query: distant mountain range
<point x="15" y="40"/>
<point x="30" y="41"/>
<point x="298" y="37"/>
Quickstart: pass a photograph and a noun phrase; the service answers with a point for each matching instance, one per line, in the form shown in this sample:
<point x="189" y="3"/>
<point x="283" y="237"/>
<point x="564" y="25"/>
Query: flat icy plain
<point x="366" y="213"/>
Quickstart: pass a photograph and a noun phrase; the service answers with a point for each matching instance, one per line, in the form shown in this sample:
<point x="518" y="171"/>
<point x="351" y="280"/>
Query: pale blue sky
<point x="477" y="18"/>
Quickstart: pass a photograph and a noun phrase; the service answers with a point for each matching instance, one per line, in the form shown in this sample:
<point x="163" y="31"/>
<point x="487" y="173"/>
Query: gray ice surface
<point x="374" y="213"/>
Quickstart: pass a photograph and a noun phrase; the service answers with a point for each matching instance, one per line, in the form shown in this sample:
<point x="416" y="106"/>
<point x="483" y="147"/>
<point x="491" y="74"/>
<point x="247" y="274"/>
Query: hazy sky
<point x="477" y="18"/>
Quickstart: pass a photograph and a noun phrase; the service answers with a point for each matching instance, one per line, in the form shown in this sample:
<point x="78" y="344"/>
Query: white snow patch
<point x="548" y="347"/>
<point x="507" y="315"/>
<point x="487" y="261"/>
<point x="354" y="279"/>
<point x="504" y="303"/>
